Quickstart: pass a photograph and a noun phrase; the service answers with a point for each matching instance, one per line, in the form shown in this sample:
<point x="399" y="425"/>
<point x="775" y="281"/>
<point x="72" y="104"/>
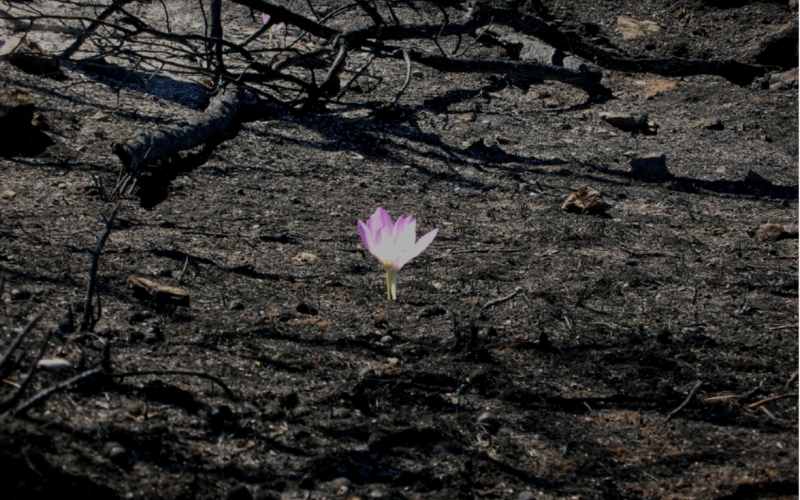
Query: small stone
<point x="8" y="194"/>
<point x="710" y="124"/>
<point x="387" y="339"/>
<point x="380" y="322"/>
<point x="624" y="121"/>
<point x="784" y="81"/>
<point x="101" y="117"/>
<point x="502" y="140"/>
<point x="115" y="452"/>
<point x="236" y="305"/>
<point x="239" y="492"/>
<point x="17" y="294"/>
<point x="135" y="336"/>
<point x="430" y="312"/>
<point x="586" y="201"/>
<point x="54" y="364"/>
<point x="341" y="413"/>
<point x="393" y="361"/>
<point x="166" y="273"/>
<point x="153" y="336"/>
<point x="652" y="165"/>
<point x="139" y="316"/>
<point x="631" y="28"/>
<point x="417" y="73"/>
<point x="526" y="495"/>
<point x="219" y="417"/>
<point x="754" y="178"/>
<point x="304" y="258"/>
<point x="769" y="232"/>
<point x="304" y="308"/>
<point x="551" y="103"/>
<point x="288" y="399"/>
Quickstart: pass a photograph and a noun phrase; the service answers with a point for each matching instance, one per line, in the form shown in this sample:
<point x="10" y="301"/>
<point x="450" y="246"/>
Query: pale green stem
<point x="391" y="284"/>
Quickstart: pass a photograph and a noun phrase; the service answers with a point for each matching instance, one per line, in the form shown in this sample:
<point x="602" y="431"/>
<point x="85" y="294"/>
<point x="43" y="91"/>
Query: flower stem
<point x="388" y="283"/>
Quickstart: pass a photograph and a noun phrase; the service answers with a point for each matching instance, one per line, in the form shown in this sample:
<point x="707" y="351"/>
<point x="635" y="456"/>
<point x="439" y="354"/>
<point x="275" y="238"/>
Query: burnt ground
<point x="569" y="388"/>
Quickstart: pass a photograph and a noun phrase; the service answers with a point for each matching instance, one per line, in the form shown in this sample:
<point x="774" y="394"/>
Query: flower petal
<point x="366" y="234"/>
<point x="417" y="249"/>
<point x="406" y="235"/>
<point x="378" y="220"/>
<point x="265" y="18"/>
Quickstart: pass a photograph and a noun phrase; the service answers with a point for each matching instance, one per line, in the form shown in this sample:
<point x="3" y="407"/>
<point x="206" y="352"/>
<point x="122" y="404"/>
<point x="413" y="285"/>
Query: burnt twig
<point x="88" y="321"/>
<point x="518" y="291"/>
<point x="769" y="400"/>
<point x="11" y="401"/>
<point x="683" y="405"/>
<point x="14" y="345"/>
<point x="55" y="388"/>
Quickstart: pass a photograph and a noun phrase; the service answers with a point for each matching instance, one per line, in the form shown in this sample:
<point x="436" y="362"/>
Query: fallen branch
<point x="683" y="405"/>
<point x="733" y="71"/>
<point x="88" y="321"/>
<point x="164" y="142"/>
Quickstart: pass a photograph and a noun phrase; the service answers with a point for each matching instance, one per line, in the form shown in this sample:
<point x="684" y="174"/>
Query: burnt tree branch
<point x="149" y="146"/>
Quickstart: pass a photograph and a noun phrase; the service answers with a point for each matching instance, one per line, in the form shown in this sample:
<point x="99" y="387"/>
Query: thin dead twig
<point x="518" y="291"/>
<point x="686" y="402"/>
<point x="14" y="345"/>
<point x="356" y="76"/>
<point x="770" y="400"/>
<point x="60" y="386"/>
<point x="88" y="321"/>
<point x="11" y="401"/>
<point x="788" y="382"/>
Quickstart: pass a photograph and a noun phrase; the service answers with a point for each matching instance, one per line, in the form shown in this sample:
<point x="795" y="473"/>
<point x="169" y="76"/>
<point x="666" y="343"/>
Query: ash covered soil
<point x="570" y="389"/>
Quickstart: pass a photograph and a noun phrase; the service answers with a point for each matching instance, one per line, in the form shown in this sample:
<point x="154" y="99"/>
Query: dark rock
<point x="239" y="492"/>
<point x="652" y="165"/>
<point x="710" y="124"/>
<point x="430" y="312"/>
<point x="220" y="417"/>
<point x="288" y="399"/>
<point x="20" y="294"/>
<point x="304" y="308"/>
<point x="236" y="305"/>
<point x="754" y="178"/>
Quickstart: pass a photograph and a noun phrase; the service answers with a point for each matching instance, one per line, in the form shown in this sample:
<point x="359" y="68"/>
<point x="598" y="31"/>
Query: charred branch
<point x="89" y="319"/>
<point x="733" y="71"/>
<point x="164" y="142"/>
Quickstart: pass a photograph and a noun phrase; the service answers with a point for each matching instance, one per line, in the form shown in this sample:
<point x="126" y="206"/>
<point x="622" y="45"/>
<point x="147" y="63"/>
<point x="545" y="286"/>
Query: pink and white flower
<point x="394" y="244"/>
